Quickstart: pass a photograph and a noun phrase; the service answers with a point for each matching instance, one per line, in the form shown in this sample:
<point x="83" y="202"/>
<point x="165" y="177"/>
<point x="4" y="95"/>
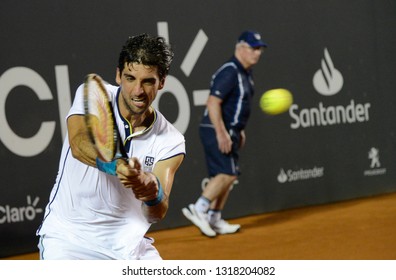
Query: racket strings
<point x="99" y="118"/>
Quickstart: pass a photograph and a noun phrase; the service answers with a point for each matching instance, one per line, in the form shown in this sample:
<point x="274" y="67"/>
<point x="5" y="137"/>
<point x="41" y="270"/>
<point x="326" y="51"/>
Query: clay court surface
<point x="361" y="229"/>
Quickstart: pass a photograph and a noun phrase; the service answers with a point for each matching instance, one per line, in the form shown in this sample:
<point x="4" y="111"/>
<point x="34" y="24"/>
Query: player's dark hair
<point x="147" y="50"/>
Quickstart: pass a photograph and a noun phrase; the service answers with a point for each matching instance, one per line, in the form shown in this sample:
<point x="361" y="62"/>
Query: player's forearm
<point x="83" y="150"/>
<point x="80" y="144"/>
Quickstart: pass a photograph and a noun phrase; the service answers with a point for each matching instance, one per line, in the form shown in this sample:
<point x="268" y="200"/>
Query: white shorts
<point x="55" y="248"/>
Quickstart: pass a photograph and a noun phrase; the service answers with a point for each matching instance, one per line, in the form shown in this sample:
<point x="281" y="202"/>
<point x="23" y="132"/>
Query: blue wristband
<point x="159" y="197"/>
<point x="107" y="167"/>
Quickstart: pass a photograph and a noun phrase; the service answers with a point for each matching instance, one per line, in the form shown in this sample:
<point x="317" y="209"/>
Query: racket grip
<point x="107" y="167"/>
<point x="159" y="197"/>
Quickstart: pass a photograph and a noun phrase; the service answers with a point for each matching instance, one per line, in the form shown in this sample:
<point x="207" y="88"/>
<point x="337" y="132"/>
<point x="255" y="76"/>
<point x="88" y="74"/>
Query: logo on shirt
<point x="148" y="163"/>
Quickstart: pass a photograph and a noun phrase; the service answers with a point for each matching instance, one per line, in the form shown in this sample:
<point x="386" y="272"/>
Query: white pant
<point x="55" y="248"/>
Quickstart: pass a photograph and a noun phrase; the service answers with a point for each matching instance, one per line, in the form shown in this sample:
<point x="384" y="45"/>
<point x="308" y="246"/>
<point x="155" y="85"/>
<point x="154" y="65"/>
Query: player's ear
<point x="161" y="83"/>
<point x="118" y="76"/>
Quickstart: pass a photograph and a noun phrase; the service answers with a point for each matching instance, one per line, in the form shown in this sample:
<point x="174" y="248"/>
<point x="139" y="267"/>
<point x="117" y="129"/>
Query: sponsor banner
<point x="300" y="174"/>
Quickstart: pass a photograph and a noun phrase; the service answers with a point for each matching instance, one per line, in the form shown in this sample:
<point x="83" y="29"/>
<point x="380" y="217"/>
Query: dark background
<point x="86" y="36"/>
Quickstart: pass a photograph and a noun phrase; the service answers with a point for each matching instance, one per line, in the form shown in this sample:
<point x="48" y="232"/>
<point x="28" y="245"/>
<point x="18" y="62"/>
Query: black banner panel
<point x="336" y="142"/>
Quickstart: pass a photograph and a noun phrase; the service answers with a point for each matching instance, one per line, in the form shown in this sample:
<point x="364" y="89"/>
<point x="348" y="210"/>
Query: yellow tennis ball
<point x="276" y="101"/>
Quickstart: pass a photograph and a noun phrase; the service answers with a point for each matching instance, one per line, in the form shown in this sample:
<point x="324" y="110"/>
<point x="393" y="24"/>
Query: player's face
<point x="139" y="86"/>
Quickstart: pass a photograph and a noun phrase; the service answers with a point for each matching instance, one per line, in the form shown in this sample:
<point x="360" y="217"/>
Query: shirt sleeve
<point x="77" y="107"/>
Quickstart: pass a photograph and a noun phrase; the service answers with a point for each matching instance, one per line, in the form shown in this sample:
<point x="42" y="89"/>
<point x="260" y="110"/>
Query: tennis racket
<point x="100" y="120"/>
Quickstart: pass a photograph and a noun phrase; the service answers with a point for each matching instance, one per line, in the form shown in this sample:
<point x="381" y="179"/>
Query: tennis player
<point x="222" y="133"/>
<point x="105" y="213"/>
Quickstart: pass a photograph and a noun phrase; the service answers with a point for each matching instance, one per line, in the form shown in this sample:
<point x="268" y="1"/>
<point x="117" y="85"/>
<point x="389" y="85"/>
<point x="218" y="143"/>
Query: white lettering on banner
<point x="305" y="174"/>
<point x="27" y="147"/>
<point x="194" y="52"/>
<point x="328" y="81"/>
<point x="175" y="87"/>
<point x="10" y="214"/>
<point x="331" y="115"/>
<point x="22" y="76"/>
<point x="301" y="174"/>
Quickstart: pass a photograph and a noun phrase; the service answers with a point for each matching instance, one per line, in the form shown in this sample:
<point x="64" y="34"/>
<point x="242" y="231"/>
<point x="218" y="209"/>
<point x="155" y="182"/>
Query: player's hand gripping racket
<point x="101" y="124"/>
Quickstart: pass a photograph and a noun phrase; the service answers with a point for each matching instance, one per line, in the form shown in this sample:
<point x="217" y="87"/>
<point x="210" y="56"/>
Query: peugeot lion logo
<point x="375" y="164"/>
<point x="374" y="156"/>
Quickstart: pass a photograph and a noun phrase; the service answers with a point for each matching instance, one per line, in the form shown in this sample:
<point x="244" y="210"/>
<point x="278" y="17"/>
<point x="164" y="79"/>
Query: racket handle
<point x="107" y="167"/>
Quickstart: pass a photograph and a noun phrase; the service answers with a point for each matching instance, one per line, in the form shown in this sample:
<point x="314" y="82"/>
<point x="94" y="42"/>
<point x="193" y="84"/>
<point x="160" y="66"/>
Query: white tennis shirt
<point x="93" y="209"/>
